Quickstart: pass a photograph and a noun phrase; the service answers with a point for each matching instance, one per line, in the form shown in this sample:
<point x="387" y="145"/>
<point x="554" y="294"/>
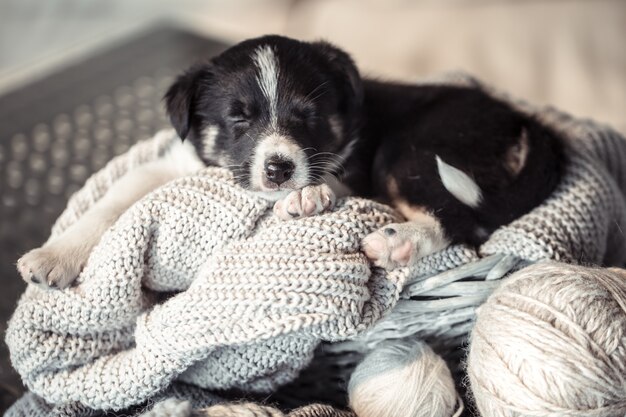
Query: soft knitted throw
<point x="199" y="282"/>
<point x="259" y="293"/>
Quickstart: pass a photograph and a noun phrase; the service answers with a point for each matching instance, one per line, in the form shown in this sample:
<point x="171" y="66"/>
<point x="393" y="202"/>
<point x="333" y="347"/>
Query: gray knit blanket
<point x="199" y="283"/>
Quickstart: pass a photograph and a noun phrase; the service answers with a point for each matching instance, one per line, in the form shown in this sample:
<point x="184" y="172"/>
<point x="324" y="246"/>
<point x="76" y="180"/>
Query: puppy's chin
<point x="266" y="185"/>
<point x="274" y="192"/>
<point x="271" y="195"/>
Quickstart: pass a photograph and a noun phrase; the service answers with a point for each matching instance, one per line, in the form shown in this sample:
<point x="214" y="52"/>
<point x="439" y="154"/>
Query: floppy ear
<point x="180" y="100"/>
<point x="346" y="74"/>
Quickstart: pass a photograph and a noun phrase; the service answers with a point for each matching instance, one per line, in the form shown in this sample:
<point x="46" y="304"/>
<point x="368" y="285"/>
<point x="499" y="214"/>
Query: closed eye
<point x="239" y="120"/>
<point x="240" y="114"/>
<point x="240" y="124"/>
<point x="304" y="113"/>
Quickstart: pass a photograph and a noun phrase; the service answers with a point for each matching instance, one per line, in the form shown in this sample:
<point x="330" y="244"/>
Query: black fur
<point x="405" y="126"/>
<point x="396" y="130"/>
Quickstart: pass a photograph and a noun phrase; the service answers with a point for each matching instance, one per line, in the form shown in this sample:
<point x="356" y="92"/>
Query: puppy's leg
<point x="402" y="244"/>
<point x="59" y="261"/>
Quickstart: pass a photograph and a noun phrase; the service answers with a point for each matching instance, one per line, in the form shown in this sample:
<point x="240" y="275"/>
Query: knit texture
<point x="177" y="408"/>
<point x="199" y="282"/>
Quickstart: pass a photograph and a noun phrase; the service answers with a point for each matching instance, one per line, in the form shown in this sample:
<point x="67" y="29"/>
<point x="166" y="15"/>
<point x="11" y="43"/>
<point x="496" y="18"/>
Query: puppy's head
<point x="280" y="113"/>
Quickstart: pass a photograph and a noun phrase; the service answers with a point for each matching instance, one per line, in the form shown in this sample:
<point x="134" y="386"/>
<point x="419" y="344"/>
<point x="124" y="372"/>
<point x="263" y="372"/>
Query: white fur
<point x="460" y="185"/>
<point x="272" y="195"/>
<point x="209" y="137"/>
<point x="310" y="200"/>
<point x="411" y="241"/>
<point x="60" y="260"/>
<point x="276" y="144"/>
<point x="267" y="63"/>
<point x="180" y="159"/>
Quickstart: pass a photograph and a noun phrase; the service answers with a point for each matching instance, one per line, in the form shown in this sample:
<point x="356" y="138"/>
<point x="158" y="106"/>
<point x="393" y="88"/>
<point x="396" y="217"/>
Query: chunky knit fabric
<point x="259" y="293"/>
<point x="173" y="405"/>
<point x="177" y="408"/>
<point x="199" y="282"/>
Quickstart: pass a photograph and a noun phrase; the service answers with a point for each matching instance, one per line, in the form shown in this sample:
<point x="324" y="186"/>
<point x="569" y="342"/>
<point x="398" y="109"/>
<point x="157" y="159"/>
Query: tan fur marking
<point x="516" y="155"/>
<point x="410" y="212"/>
<point x="336" y="127"/>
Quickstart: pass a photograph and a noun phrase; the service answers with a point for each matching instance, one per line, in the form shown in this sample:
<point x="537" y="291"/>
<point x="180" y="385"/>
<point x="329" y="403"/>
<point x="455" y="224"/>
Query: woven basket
<point x="439" y="306"/>
<point x="439" y="300"/>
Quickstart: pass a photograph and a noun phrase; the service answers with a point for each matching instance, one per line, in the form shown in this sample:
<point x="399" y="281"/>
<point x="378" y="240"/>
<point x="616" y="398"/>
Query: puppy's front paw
<point x="310" y="200"/>
<point x="387" y="248"/>
<point x="55" y="265"/>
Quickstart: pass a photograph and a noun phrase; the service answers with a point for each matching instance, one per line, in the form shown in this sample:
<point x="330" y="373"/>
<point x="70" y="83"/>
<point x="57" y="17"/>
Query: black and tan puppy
<point x="296" y="124"/>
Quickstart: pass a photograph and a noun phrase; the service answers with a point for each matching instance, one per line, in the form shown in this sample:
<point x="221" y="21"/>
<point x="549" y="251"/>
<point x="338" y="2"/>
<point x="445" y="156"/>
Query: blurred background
<point x="81" y="80"/>
<point x="569" y="53"/>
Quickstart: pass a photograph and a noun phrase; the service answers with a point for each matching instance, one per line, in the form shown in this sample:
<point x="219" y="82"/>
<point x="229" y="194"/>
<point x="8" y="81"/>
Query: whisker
<point x="325" y="161"/>
<point x="326" y="158"/>
<point x="314" y="90"/>
<point x="326" y="154"/>
<point x="322" y="163"/>
<point x="331" y="163"/>
<point x="319" y="95"/>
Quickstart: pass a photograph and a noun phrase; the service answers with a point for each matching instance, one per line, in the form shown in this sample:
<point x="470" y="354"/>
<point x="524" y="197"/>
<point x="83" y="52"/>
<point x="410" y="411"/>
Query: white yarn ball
<point x="551" y="341"/>
<point x="403" y="378"/>
<point x="170" y="407"/>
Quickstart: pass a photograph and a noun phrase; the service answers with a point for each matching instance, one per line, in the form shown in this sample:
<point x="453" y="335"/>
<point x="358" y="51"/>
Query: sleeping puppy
<point x="297" y="125"/>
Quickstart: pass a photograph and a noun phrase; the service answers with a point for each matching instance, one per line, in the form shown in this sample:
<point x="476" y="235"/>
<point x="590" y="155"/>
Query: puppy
<point x="296" y="124"/>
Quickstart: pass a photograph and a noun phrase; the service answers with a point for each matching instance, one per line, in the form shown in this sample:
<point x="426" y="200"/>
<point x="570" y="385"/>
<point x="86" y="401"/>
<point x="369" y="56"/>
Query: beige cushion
<point x="570" y="54"/>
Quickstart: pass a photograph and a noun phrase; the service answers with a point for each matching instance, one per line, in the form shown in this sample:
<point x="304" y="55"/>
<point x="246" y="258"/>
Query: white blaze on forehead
<point x="266" y="62"/>
<point x="459" y="184"/>
<point x="285" y="148"/>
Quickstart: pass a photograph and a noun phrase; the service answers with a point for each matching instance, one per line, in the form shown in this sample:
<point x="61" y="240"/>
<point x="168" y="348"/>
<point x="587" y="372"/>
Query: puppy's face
<point x="281" y="114"/>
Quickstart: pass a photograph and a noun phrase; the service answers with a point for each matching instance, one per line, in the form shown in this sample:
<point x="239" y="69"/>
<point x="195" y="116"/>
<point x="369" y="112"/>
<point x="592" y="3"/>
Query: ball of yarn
<point x="551" y="341"/>
<point x="170" y="407"/>
<point x="403" y="378"/>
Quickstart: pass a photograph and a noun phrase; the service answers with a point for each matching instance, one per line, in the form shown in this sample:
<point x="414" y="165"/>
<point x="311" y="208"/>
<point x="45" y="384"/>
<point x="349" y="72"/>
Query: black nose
<point x="278" y="170"/>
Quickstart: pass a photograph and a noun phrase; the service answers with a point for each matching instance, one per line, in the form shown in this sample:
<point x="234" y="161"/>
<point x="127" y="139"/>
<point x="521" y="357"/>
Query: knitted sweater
<point x="199" y="282"/>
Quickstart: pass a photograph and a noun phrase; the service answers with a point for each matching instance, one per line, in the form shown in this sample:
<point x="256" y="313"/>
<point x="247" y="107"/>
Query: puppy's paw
<point x="310" y="200"/>
<point x="402" y="244"/>
<point x="387" y="248"/>
<point x="56" y="265"/>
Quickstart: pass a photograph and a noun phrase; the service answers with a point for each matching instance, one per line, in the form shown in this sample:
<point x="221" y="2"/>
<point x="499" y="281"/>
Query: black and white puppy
<point x="291" y="118"/>
<point x="296" y="124"/>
